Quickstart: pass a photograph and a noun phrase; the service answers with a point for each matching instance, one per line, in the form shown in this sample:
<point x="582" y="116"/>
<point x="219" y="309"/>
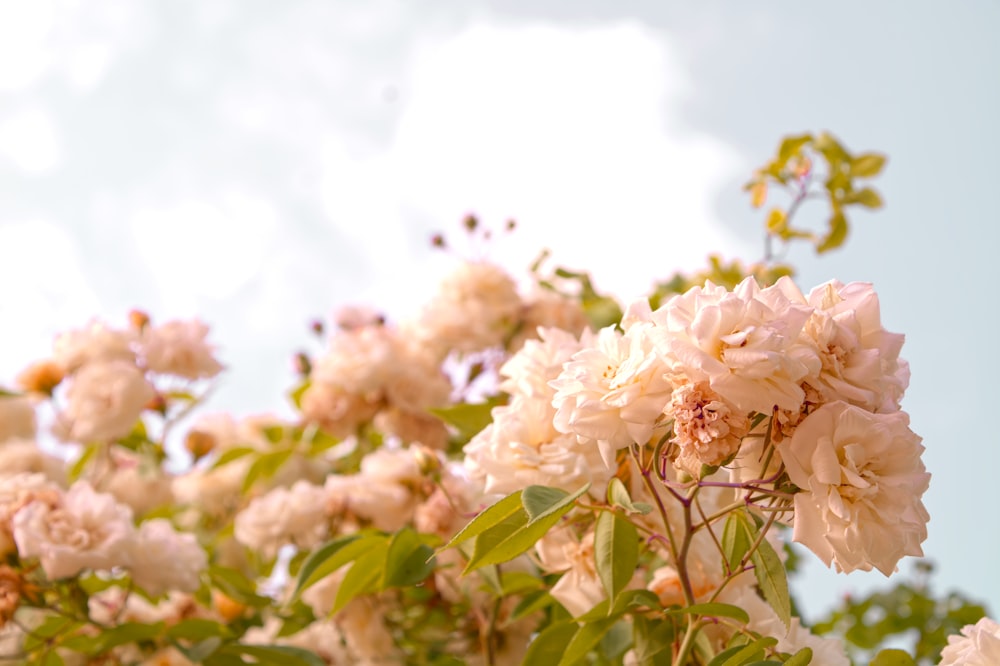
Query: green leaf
<point x="231" y="455"/>
<point x="893" y="657"/>
<point x="516" y="533"/>
<point x="746" y="654"/>
<point x="541" y="501"/>
<point x="127" y="632"/>
<point x="274" y="654"/>
<point x="76" y="469"/>
<point x="772" y="580"/>
<point x="198" y="629"/>
<point x="492" y="515"/>
<point x="735" y="540"/>
<point x="616" y="552"/>
<point x="51" y="658"/>
<point x="616" y="641"/>
<point x="585" y="640"/>
<point x="618" y="497"/>
<point x="531" y="602"/>
<point x="791" y="145"/>
<point x="867" y="165"/>
<point x="801" y="658"/>
<point x="652" y="637"/>
<point x="713" y="609"/>
<point x="408" y="560"/>
<point x="266" y="466"/>
<point x="335" y="555"/>
<point x="519" y="582"/>
<point x="550" y="645"/>
<point x="836" y="235"/>
<point x="236" y="586"/>
<point x="866" y="196"/>
<point x="361" y="578"/>
<point x="469" y="418"/>
<point x="201" y="650"/>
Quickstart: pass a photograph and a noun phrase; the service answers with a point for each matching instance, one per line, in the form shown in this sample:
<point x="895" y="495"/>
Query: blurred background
<point x="259" y="164"/>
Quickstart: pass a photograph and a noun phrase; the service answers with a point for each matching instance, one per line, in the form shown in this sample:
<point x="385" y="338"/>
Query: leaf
<point x="652" y="637"/>
<point x="777" y="221"/>
<point x="867" y="165"/>
<point x="541" y="501"/>
<point x="198" y="629"/>
<point x="549" y="646"/>
<point x="772" y="580"/>
<point x="408" y="560"/>
<point x="127" y="632"/>
<point x="618" y="497"/>
<point x="200" y="651"/>
<point x="469" y="418"/>
<point x="713" y="609"/>
<point x="585" y="639"/>
<point x="516" y="533"/>
<point x="274" y="654"/>
<point x="836" y="235"/>
<point x="333" y="556"/>
<point x="791" y="145"/>
<point x="265" y="467"/>
<point x="740" y="656"/>
<point x="236" y="586"/>
<point x="531" y="602"/>
<point x="866" y="196"/>
<point x="361" y="578"/>
<point x="735" y="540"/>
<point x="490" y="516"/>
<point x="231" y="455"/>
<point x="76" y="469"/>
<point x="616" y="552"/>
<point x="893" y="657"/>
<point x="801" y="658"/>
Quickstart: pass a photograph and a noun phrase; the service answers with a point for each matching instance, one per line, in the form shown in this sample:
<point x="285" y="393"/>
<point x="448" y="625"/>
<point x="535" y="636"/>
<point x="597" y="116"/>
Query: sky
<point x="259" y="164"/>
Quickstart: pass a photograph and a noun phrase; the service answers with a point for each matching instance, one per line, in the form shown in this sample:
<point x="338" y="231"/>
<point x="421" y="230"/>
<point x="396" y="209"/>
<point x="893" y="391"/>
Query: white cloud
<point x="568" y="131"/>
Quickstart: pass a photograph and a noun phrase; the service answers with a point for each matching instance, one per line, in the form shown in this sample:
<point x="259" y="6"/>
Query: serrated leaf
<point x="772" y="580"/>
<point x="616" y="552"/>
<point x="893" y="657"/>
<point x="867" y="165"/>
<point x="549" y="646"/>
<point x="487" y="518"/>
<point x="836" y="235"/>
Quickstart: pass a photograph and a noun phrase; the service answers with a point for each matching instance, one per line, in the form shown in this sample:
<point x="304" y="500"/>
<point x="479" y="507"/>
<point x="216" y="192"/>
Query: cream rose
<point x="861" y="480"/>
<point x="85" y="530"/>
<point x="179" y="348"/>
<point x="165" y="560"/>
<point x="104" y="402"/>
<point x="979" y="645"/>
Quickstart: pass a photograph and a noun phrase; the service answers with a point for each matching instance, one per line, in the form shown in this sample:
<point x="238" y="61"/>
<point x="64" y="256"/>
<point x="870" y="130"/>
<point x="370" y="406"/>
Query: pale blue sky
<point x="259" y="163"/>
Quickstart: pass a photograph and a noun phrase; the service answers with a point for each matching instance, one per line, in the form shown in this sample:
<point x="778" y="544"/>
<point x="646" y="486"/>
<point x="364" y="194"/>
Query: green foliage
<point x="908" y="612"/>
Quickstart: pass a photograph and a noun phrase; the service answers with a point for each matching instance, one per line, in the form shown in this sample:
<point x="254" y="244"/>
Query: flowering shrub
<point x="514" y="475"/>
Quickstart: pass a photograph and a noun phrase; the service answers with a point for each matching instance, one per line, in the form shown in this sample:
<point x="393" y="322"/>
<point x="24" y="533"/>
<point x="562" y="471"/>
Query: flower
<point x="707" y="429"/>
<point x="166" y="560"/>
<point x="861" y="480"/>
<point x="580" y="588"/>
<point x="979" y="645"/>
<point x="96" y="343"/>
<point x="295" y="515"/>
<point x="84" y="530"/>
<point x="860" y="361"/>
<point x="104" y="402"/>
<point x="744" y="343"/>
<point x="614" y="392"/>
<point x="179" y="348"/>
<point x="17" y="418"/>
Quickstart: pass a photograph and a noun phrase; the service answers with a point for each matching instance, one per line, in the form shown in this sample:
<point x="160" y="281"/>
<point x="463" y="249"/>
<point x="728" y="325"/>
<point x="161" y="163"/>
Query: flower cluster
<point x="614" y="475"/>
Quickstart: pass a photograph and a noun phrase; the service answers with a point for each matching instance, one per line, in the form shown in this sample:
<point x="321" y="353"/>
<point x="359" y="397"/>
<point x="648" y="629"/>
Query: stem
<point x="688" y="643"/>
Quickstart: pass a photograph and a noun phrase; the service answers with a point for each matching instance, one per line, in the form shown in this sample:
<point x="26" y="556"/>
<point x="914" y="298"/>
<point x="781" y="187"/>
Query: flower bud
<point x="227" y="607"/>
<point x="199" y="443"/>
<point x="41" y="377"/>
<point x="11" y="586"/>
<point x="427" y="461"/>
<point x="138" y="319"/>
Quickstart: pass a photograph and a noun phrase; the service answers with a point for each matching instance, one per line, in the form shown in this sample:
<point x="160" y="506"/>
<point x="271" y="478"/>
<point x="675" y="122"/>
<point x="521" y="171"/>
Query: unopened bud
<point x="157" y="404"/>
<point x="227" y="607"/>
<point x="511" y="225"/>
<point x="138" y="319"/>
<point x="11" y="586"/>
<point x="427" y="461"/>
<point x="302" y="364"/>
<point x="316" y="326"/>
<point x="470" y="222"/>
<point x="199" y="443"/>
<point x="437" y="240"/>
<point x="41" y="377"/>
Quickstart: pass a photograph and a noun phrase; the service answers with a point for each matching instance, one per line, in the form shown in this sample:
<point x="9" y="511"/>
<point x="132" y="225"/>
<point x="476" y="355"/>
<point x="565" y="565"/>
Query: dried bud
<point x="157" y="404"/>
<point x="199" y="443"/>
<point x="138" y="319"/>
<point x="317" y="327"/>
<point x="301" y="364"/>
<point x="437" y="240"/>
<point x="511" y="225"/>
<point x="11" y="586"/>
<point x="41" y="377"/>
<point x="471" y="222"/>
